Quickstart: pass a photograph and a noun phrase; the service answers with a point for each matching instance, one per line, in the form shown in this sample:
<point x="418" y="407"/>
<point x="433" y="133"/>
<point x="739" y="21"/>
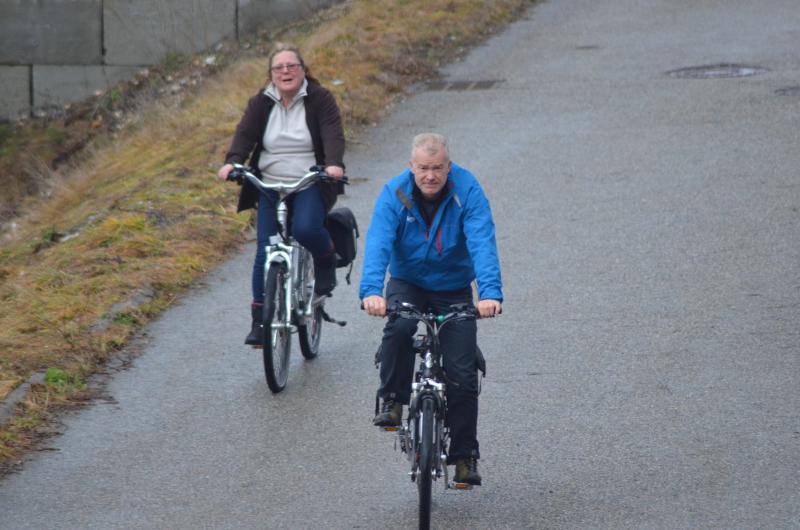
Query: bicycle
<point x="289" y="302"/>
<point x="425" y="435"/>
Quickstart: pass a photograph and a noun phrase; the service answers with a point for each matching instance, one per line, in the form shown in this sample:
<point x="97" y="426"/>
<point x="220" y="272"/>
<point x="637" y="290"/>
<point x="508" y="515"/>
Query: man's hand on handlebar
<point x="489" y="308"/>
<point x="374" y="306"/>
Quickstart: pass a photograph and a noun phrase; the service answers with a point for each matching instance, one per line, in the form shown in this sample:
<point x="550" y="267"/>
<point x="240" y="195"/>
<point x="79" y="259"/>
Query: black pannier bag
<point x="343" y="228"/>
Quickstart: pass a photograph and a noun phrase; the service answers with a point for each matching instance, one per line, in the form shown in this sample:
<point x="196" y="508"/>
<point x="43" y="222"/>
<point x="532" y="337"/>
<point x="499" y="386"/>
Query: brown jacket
<point x="324" y="123"/>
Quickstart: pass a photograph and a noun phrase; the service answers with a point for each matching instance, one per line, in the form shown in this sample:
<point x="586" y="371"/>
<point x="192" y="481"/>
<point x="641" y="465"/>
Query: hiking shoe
<point x="391" y="415"/>
<point x="256" y="336"/>
<point x="467" y="471"/>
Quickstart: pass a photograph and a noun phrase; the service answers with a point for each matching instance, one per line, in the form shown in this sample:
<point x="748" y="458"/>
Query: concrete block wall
<point x="51" y="32"/>
<point x="137" y="32"/>
<point x="56" y="51"/>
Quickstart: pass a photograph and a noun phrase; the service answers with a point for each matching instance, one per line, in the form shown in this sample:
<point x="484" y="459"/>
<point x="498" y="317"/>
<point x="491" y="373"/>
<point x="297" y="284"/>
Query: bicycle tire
<point x="309" y="333"/>
<point x="425" y="464"/>
<point x="277" y="341"/>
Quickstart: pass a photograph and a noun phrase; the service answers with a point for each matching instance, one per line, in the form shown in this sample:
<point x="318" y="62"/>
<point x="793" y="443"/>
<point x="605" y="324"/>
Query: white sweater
<point x="288" y="149"/>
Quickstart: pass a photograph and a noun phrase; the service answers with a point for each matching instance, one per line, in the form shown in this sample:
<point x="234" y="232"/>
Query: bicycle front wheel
<point x="277" y="336"/>
<point x="426" y="455"/>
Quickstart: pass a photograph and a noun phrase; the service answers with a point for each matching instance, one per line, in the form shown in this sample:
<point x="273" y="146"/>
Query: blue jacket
<point x="458" y="247"/>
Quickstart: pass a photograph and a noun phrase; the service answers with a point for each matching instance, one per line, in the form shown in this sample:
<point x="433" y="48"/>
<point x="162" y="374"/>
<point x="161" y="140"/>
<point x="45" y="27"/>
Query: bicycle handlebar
<point x="406" y="310"/>
<point x="240" y="172"/>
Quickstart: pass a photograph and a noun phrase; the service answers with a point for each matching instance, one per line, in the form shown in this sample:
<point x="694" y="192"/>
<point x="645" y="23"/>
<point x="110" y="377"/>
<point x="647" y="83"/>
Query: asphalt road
<point x="644" y="373"/>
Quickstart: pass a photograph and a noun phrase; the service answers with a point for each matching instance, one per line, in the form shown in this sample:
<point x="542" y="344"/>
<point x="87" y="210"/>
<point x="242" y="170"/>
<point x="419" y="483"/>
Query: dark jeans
<point x="458" y="341"/>
<point x="307" y="224"/>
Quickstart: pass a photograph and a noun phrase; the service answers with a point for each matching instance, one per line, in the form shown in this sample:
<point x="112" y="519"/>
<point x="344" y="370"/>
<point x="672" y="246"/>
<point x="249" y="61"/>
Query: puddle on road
<point x="716" y="71"/>
<point x="460" y="86"/>
<point x="788" y="91"/>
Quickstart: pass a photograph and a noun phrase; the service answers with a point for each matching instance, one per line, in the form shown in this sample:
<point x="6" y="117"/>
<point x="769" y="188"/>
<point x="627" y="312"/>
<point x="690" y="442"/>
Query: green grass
<point x="63" y="380"/>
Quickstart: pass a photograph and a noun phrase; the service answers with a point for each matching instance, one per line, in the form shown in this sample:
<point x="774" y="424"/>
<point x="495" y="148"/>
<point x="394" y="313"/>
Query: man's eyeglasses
<point x="291" y="67"/>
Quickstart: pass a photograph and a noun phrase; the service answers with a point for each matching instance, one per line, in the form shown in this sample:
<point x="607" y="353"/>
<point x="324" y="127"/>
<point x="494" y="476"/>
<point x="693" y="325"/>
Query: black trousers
<point x="458" y="341"/>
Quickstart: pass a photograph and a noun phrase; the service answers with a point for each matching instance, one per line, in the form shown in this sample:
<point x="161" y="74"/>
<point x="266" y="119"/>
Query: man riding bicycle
<point x="432" y="226"/>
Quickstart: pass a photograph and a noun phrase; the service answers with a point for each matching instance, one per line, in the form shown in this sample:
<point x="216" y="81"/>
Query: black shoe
<point x="324" y="279"/>
<point x="391" y="415"/>
<point x="256" y="336"/>
<point x="467" y="471"/>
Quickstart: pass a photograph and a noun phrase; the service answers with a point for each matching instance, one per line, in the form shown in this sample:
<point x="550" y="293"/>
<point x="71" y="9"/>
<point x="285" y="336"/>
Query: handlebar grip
<point x="320" y="170"/>
<point x="327" y="178"/>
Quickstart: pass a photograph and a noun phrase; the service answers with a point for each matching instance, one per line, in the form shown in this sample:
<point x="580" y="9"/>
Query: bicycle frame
<point x="429" y="383"/>
<point x="282" y="247"/>
<point x="425" y="435"/>
<point x="290" y="305"/>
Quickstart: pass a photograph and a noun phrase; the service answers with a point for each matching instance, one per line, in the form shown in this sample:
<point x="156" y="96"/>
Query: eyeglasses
<point x="291" y="67"/>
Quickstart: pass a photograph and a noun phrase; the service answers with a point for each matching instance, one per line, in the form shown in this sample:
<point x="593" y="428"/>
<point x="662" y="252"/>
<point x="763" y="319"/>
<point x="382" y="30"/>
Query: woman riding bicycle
<point x="291" y="125"/>
<point x="433" y="228"/>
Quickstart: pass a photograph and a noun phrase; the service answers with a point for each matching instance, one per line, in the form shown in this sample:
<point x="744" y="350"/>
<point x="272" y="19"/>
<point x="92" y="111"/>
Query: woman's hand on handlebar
<point x="335" y="172"/>
<point x="374" y="306"/>
<point x="489" y="308"/>
<point x="224" y="171"/>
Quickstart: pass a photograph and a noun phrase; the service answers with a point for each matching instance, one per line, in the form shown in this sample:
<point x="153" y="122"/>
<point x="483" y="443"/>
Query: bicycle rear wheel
<point x="277" y="339"/>
<point x="426" y="456"/>
<point x="309" y="334"/>
<point x="310" y="331"/>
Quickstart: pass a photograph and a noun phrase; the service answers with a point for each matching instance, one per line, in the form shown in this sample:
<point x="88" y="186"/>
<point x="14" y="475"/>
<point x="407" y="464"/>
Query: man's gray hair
<point x="431" y="143"/>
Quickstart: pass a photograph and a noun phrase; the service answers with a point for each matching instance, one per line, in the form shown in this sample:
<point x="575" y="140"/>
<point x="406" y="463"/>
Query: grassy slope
<point x="144" y="213"/>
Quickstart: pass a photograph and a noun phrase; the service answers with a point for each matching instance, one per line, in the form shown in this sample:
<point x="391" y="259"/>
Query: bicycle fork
<point x="410" y="436"/>
<point x="281" y="254"/>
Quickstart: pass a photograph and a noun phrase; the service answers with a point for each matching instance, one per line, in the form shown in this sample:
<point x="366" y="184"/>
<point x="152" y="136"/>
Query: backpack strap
<point x="452" y="188"/>
<point x="404" y="199"/>
<point x="349" y="271"/>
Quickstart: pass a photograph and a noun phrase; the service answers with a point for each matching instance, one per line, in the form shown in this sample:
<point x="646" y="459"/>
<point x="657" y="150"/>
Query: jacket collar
<point x="405" y="196"/>
<point x="272" y="92"/>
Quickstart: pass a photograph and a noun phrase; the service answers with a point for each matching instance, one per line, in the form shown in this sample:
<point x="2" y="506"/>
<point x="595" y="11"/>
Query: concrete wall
<point x="51" y="32"/>
<point x="56" y="51"/>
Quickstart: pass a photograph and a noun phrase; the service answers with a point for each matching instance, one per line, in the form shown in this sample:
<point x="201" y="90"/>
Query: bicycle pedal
<point x="390" y="429"/>
<point x="461" y="486"/>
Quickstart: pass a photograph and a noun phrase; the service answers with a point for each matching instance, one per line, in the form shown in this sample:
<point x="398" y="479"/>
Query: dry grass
<point x="144" y="214"/>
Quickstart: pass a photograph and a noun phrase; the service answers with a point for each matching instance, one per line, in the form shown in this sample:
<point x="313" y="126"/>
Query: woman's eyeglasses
<point x="291" y="67"/>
